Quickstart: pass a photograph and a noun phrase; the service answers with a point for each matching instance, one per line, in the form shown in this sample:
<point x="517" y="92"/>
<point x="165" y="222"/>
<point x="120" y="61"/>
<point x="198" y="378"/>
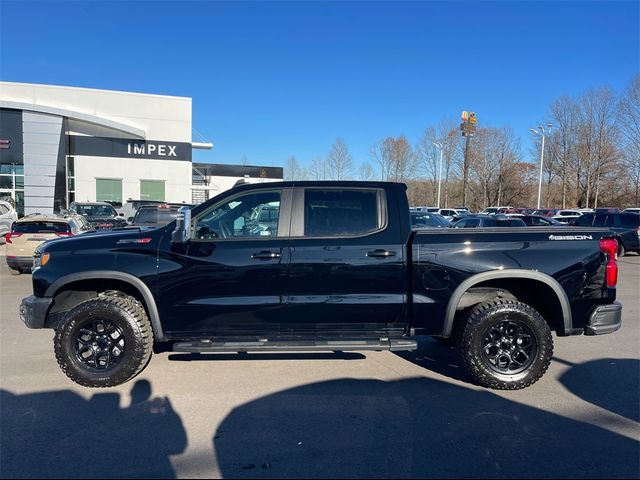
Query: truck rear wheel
<point x="104" y="341"/>
<point x="506" y="344"/>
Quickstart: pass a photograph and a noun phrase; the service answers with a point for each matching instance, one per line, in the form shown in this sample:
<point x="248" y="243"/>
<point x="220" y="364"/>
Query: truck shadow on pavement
<point x="59" y="434"/>
<point x="609" y="383"/>
<point x="415" y="427"/>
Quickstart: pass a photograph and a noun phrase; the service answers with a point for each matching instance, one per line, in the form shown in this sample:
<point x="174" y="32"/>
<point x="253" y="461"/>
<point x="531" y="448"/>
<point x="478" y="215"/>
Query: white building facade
<point x="63" y="144"/>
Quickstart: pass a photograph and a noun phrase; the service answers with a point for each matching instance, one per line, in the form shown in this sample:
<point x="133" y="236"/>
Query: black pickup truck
<point x="334" y="266"/>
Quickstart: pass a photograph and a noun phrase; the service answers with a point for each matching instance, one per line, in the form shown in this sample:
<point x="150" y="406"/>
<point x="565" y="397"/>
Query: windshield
<point x="96" y="210"/>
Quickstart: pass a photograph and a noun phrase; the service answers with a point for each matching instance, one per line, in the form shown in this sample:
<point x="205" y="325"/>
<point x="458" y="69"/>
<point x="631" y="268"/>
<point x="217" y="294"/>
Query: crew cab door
<point x="231" y="279"/>
<point x="347" y="268"/>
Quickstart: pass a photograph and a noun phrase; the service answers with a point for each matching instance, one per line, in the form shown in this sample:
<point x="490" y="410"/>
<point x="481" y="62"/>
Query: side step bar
<point x="210" y="346"/>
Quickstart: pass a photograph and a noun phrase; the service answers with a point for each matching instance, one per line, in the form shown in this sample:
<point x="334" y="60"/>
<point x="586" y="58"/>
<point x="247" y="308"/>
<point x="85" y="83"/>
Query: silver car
<point x="8" y="215"/>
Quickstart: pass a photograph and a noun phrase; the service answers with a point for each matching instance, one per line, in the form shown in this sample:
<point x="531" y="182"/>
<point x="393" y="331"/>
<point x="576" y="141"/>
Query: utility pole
<point x="439" y="146"/>
<point x="541" y="131"/>
<point x="468" y="128"/>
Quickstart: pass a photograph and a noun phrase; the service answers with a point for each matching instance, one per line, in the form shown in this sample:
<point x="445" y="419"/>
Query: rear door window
<point x="599" y="221"/>
<point x="41" y="227"/>
<point x="472" y="223"/>
<point x="341" y="212"/>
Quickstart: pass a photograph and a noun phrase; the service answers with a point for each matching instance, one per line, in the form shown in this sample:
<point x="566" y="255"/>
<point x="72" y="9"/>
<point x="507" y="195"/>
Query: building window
<point x="152" y="190"/>
<point x="12" y="185"/>
<point x="109" y="190"/>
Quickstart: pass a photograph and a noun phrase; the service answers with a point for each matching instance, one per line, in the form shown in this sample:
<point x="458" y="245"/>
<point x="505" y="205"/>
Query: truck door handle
<point x="380" y="253"/>
<point x="266" y="255"/>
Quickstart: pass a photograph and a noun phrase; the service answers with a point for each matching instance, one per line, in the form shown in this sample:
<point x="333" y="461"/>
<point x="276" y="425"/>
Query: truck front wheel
<point x="104" y="341"/>
<point x="506" y="344"/>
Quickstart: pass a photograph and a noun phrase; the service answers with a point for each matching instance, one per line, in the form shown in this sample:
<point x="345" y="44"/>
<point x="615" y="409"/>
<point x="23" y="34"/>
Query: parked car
<point x="30" y="231"/>
<point x="156" y="215"/>
<point x="538" y="221"/>
<point x="101" y="215"/>
<point x="635" y="210"/>
<point x="546" y="212"/>
<point x="605" y="210"/>
<point x="130" y="207"/>
<point x="452" y="214"/>
<point x="428" y="220"/>
<point x="494" y="210"/>
<point x="343" y="271"/>
<point x="483" y="220"/>
<point x="625" y="225"/>
<point x="425" y="209"/>
<point x="8" y="215"/>
<point x="566" y="216"/>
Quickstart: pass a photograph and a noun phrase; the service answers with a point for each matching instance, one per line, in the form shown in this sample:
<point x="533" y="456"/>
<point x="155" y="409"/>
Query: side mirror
<point x="182" y="232"/>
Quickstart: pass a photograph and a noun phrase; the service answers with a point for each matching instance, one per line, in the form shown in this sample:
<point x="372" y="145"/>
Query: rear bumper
<point x="604" y="319"/>
<point x="33" y="310"/>
<point x="21" y="263"/>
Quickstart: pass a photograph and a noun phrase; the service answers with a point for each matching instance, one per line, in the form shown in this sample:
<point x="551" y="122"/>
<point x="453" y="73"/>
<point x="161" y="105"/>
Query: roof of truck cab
<point x="320" y="183"/>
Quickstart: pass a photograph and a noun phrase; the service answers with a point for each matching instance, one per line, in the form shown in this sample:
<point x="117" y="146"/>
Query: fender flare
<point x="135" y="282"/>
<point x="508" y="273"/>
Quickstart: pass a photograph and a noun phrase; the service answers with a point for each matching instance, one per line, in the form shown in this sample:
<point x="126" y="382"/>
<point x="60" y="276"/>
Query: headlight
<point x="40" y="260"/>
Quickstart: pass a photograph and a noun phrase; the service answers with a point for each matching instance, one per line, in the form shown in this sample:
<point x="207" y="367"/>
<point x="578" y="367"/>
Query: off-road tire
<point x="125" y="312"/>
<point x="479" y="322"/>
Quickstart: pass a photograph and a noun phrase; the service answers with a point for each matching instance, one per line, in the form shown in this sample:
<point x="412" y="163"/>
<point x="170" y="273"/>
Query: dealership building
<point x="64" y="144"/>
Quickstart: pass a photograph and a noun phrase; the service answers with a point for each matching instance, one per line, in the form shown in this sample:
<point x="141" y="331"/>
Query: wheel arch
<point x="97" y="277"/>
<point x="534" y="277"/>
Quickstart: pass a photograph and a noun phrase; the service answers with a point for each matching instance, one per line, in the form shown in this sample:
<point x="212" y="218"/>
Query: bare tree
<point x="317" y="169"/>
<point x="396" y="158"/>
<point x="293" y="170"/>
<point x="366" y="172"/>
<point x="339" y="161"/>
<point x="629" y="120"/>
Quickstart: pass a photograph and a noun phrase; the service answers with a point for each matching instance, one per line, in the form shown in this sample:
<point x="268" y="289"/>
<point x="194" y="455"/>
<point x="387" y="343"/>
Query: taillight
<point x="11" y="235"/>
<point x="609" y="246"/>
<point x="64" y="234"/>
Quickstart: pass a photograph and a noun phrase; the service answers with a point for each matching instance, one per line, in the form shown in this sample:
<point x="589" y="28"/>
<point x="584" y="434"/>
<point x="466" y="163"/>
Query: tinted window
<point x="584" y="221"/>
<point x="599" y="220"/>
<point x="96" y="210"/>
<point x="340" y="212"/>
<point x="513" y="222"/>
<point x="40" y="227"/>
<point x="427" y="220"/>
<point x="488" y="222"/>
<point x="240" y="217"/>
<point x="155" y="215"/>
<point x="472" y="223"/>
<point x="627" y="221"/>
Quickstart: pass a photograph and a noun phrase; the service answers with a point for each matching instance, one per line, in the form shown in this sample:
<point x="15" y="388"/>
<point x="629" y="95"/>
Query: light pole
<point x="542" y="132"/>
<point x="438" y="145"/>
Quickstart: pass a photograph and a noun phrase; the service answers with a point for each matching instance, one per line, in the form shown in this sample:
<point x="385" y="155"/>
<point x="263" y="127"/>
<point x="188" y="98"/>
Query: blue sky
<point x="271" y="80"/>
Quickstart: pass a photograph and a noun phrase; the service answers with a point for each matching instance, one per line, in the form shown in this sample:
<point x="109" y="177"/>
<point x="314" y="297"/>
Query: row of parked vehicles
<point x="625" y="224"/>
<point x="24" y="235"/>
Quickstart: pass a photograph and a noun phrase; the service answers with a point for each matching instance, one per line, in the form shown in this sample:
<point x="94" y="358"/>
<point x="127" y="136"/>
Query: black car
<point x="539" y="221"/>
<point x="100" y="215"/>
<point x="156" y="215"/>
<point x="626" y="226"/>
<point x="428" y="220"/>
<point x="480" y="221"/>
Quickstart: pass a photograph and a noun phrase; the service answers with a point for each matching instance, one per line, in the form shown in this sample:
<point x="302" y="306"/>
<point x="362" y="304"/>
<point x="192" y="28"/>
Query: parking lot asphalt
<point x="372" y="414"/>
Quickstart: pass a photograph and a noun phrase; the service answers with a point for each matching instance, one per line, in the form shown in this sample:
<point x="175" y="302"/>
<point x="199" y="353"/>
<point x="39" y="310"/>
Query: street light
<point x="542" y="132"/>
<point x="438" y="145"/>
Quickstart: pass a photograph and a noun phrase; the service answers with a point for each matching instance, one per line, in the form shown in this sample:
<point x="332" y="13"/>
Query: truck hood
<point x="105" y="239"/>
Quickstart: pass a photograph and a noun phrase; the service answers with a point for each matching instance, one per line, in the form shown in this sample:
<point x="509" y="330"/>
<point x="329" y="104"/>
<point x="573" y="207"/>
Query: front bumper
<point x="20" y="263"/>
<point x="33" y="310"/>
<point x="604" y="319"/>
